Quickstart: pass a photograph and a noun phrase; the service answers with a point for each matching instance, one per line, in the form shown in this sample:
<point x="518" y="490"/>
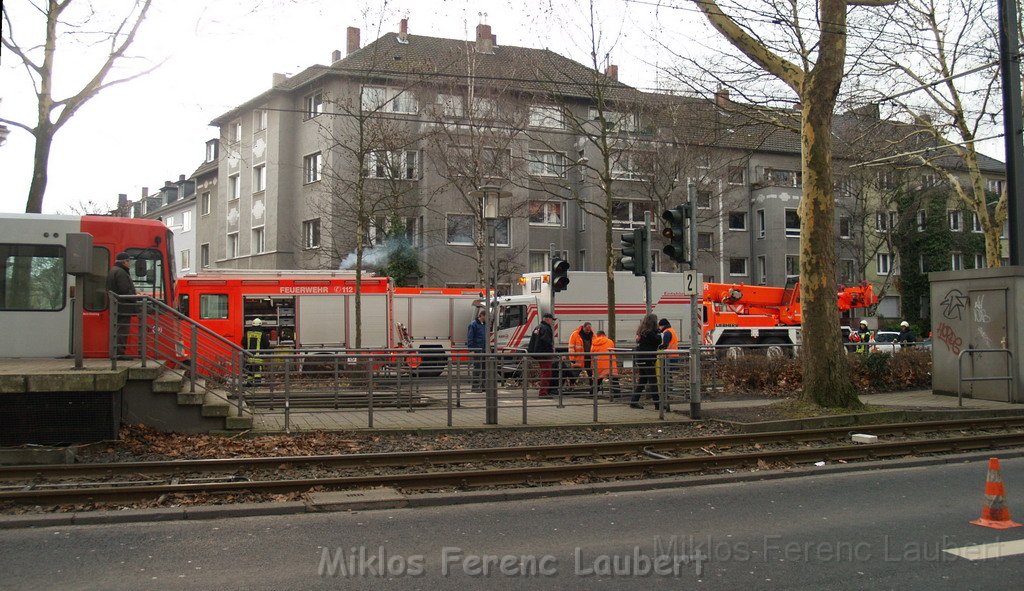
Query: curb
<point x="202" y="512"/>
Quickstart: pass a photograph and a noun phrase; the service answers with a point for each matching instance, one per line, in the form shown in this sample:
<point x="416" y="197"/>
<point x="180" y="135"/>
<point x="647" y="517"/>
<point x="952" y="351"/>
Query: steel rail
<point x="460" y="456"/>
<point x="521" y="475"/>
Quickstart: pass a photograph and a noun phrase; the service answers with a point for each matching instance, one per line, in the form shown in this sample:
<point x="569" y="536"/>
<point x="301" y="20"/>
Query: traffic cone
<point x="995" y="513"/>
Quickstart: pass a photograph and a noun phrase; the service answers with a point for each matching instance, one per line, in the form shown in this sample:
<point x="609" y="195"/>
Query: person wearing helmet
<point x="906" y="336"/>
<point x="255" y="340"/>
<point x="863" y="335"/>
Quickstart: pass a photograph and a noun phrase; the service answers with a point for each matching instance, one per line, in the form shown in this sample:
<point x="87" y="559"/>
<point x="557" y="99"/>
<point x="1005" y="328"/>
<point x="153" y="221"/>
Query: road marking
<point x="986" y="551"/>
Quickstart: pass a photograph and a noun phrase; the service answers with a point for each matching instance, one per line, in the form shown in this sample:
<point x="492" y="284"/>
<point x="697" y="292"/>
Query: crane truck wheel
<point x="776" y="348"/>
<point x="730" y="348"/>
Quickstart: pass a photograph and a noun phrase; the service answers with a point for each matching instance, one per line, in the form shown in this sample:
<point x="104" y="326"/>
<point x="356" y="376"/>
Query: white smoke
<point x="375" y="257"/>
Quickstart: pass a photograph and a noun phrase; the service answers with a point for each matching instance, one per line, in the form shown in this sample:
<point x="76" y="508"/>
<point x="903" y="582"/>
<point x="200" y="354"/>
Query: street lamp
<point x="490" y="206"/>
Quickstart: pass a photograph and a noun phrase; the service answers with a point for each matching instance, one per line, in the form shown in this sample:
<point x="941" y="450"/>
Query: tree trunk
<point x="360" y="232"/>
<point x="826" y="379"/>
<point x="993" y="246"/>
<point x="41" y="160"/>
<point x="610" y="267"/>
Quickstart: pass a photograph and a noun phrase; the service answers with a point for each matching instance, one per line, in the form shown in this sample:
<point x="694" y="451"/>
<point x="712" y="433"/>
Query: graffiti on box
<point x="948" y="335"/>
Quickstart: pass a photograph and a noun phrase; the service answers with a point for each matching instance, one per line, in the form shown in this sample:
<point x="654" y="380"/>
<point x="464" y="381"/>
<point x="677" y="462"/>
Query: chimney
<point x="122" y="205"/>
<point x="722" y="97"/>
<point x="335" y="55"/>
<point x="494" y="40"/>
<point x="612" y="71"/>
<point x="484" y="40"/>
<point x="145" y="192"/>
<point x="403" y="31"/>
<point x="352" y="44"/>
<point x="181" y="178"/>
<point x="279" y="78"/>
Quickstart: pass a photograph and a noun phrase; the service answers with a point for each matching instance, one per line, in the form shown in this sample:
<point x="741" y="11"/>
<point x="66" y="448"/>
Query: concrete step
<point x="216" y="404"/>
<point x="237" y="422"/>
<point x="169" y="382"/>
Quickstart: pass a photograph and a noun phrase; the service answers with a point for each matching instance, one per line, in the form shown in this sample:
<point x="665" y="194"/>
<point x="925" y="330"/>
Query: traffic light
<point x="635" y="249"/>
<point x="675" y="224"/>
<point x="559" y="275"/>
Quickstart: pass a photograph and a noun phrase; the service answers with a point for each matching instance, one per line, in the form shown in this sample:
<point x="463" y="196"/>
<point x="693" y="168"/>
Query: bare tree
<point x="940" y="69"/>
<point x="38" y="56"/>
<point x="815" y="77"/>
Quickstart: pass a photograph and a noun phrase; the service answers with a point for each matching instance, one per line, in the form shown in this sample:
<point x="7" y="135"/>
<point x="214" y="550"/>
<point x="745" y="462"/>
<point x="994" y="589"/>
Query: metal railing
<point x="960" y="379"/>
<point x="150" y="331"/>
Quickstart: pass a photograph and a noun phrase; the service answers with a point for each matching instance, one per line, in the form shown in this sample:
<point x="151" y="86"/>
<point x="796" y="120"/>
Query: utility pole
<point x="647" y="257"/>
<point x="1009" y="63"/>
<point x="696" y="304"/>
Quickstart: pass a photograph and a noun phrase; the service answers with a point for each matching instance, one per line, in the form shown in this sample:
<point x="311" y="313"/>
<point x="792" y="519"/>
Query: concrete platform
<point x="60" y="375"/>
<point x="928" y="399"/>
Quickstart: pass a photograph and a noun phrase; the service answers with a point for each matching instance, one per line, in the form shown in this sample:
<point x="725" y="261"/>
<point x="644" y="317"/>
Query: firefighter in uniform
<point x="256" y="340"/>
<point x="863" y="335"/>
<point x="669" y="342"/>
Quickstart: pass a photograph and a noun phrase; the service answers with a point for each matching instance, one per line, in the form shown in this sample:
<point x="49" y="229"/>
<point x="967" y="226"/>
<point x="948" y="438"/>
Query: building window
<point x="705" y="241"/>
<point x="922" y="264"/>
<point x="540" y="262"/>
<point x="994" y="186"/>
<point x="502" y="232"/>
<point x="737" y="267"/>
<point x="783" y="178"/>
<point x="186" y="221"/>
<point x="737" y="175"/>
<point x="888" y="180"/>
<point x="313" y="104"/>
<point x="311" y="234"/>
<point x="885" y="264"/>
<point x="169" y="222"/>
<point x="258" y="241"/>
<point x="957" y="261"/>
<point x="760" y="223"/>
<point x="211" y="150"/>
<point x="627" y="215"/>
<point x="625" y="166"/>
<point x="792" y="224"/>
<point x="234" y="186"/>
<point x="204" y="255"/>
<point x="484" y="108"/>
<point x="259" y="178"/>
<point x="546" y="116"/>
<point x="393" y="165"/>
<point x="236" y="131"/>
<point x="311" y="166"/>
<point x="703" y="199"/>
<point x="259" y="120"/>
<point x="929" y="180"/>
<point x="979" y="260"/>
<point x="233" y="245"/>
<point x="738" y="220"/>
<point x="956" y="220"/>
<point x="460" y="229"/>
<point x="792" y="265"/>
<point x="845" y="228"/>
<point x="581" y="262"/>
<point x="615" y="121"/>
<point x="922" y="220"/>
<point x="976" y="227"/>
<point x="546" y="164"/>
<point x="762" y="270"/>
<point x="547" y="213"/>
<point x="451" y="105"/>
<point x="379" y="98"/>
<point x="204" y="204"/>
<point x="846" y="271"/>
<point x="185" y="259"/>
<point x="886" y="221"/>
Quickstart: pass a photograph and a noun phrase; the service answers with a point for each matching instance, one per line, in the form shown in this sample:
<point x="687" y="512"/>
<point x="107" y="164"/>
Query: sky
<point x="216" y="54"/>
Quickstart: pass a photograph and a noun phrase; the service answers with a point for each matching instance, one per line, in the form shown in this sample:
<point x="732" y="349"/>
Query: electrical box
<point x="79" y="253"/>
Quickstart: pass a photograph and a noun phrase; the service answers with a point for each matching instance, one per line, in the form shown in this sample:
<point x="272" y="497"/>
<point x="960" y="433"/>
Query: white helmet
<point x="257" y="322"/>
<point x="904" y="324"/>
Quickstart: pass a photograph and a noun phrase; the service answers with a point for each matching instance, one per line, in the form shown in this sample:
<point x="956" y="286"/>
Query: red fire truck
<point x="316" y="309"/>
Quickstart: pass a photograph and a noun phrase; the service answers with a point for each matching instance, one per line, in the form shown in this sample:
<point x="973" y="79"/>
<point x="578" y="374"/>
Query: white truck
<point x="586" y="300"/>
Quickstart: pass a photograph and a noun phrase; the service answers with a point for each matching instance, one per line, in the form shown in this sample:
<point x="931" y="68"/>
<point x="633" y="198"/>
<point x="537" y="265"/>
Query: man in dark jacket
<point x="542" y="345"/>
<point x="476" y="339"/>
<point x="119" y="282"/>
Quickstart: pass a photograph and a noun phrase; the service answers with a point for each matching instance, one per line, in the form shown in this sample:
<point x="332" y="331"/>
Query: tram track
<point x="50" y="485"/>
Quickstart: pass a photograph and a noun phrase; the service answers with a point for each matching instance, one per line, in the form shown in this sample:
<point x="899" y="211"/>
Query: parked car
<point x="885" y="342"/>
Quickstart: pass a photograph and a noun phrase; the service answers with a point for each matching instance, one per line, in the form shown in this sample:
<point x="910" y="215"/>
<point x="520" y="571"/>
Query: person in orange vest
<point x="605" y="362"/>
<point x="580" y="342"/>
<point x="669" y="342"/>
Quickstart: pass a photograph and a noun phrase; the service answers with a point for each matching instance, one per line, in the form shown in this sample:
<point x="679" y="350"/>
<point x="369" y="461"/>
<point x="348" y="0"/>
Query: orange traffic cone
<point x="995" y="513"/>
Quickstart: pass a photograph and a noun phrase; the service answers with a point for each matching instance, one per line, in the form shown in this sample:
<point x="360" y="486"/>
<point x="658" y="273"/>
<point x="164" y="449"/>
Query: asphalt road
<point x="868" y="530"/>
